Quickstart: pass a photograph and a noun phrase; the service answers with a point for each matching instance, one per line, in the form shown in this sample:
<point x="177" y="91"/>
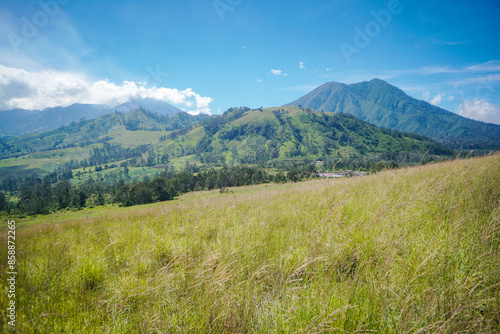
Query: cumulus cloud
<point x="436" y="101"/>
<point x="39" y="90"/>
<point x="480" y="110"/>
<point x="278" y="72"/>
<point x="302" y="65"/>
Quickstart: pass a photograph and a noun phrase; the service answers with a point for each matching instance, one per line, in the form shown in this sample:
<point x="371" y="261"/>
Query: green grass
<point x="408" y="251"/>
<point x="40" y="162"/>
<point x="129" y="138"/>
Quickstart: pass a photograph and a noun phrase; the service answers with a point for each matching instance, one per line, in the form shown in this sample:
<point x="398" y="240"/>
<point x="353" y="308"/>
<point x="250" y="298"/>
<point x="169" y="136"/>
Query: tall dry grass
<point x="407" y="251"/>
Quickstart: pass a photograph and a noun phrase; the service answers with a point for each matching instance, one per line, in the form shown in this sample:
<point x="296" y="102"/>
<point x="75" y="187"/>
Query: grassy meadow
<point x="414" y="250"/>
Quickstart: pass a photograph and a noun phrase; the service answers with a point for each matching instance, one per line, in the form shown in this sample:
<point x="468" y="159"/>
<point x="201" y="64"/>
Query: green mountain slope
<point x="384" y="105"/>
<point x="102" y="129"/>
<point x="251" y="136"/>
<point x="239" y="136"/>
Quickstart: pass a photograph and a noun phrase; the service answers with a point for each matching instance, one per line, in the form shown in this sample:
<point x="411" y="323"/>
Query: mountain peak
<point x="379" y="81"/>
<point x="385" y="105"/>
<point x="156" y="106"/>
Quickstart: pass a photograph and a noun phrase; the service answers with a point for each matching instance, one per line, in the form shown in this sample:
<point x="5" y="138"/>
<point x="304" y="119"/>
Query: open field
<point x="407" y="251"/>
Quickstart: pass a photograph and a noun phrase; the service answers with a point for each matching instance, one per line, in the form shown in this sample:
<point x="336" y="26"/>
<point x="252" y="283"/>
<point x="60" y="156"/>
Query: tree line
<point x="42" y="195"/>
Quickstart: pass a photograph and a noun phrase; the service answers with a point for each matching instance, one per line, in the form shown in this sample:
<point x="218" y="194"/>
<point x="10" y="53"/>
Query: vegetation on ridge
<point x="384" y="105"/>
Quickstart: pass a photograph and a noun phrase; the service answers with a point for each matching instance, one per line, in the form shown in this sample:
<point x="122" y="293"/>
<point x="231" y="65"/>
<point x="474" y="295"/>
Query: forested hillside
<point x="384" y="105"/>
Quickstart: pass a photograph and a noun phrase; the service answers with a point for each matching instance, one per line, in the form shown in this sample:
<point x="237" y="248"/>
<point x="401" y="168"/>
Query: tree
<point x="140" y="193"/>
<point x="35" y="198"/>
<point x="378" y="167"/>
<point x="63" y="194"/>
<point x="392" y="165"/>
<point x="167" y="191"/>
<point x="100" y="199"/>
<point x="122" y="195"/>
<point x="160" y="191"/>
<point x="78" y="199"/>
<point x="4" y="204"/>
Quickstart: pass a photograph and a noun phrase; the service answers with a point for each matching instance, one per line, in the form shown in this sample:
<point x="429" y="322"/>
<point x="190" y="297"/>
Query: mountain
<point x="239" y="136"/>
<point x="159" y="107"/>
<point x="292" y="133"/>
<point x="384" y="105"/>
<point x="19" y="121"/>
<point x="103" y="129"/>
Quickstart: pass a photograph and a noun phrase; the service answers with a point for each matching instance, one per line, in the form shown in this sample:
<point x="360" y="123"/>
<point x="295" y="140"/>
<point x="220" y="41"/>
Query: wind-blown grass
<point x="407" y="251"/>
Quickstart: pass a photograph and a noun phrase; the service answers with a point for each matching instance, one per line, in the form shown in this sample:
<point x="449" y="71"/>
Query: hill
<point x="261" y="135"/>
<point x="384" y="105"/>
<point x="273" y="136"/>
<point x="407" y="251"/>
<point x="99" y="130"/>
<point x="19" y="121"/>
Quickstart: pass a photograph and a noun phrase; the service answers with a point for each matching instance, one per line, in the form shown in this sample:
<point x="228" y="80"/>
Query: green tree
<point x="35" y="197"/>
<point x="122" y="195"/>
<point x="100" y="199"/>
<point x="4" y="204"/>
<point x="63" y="194"/>
<point x="140" y="193"/>
<point x="377" y="167"/>
<point x="162" y="190"/>
<point x="78" y="199"/>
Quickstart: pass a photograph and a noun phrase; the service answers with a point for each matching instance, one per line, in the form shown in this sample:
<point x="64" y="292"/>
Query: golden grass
<point x="407" y="251"/>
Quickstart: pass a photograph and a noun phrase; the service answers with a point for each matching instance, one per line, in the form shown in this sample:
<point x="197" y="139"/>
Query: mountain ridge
<point x="17" y="122"/>
<point x="240" y="136"/>
<point x="387" y="106"/>
<point x="93" y="131"/>
<point x="265" y="134"/>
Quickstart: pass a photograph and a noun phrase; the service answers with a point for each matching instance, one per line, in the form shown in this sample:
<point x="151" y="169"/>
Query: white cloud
<point x="452" y="43"/>
<point x="437" y="100"/>
<point x="426" y="95"/>
<point x="481" y="110"/>
<point x="437" y="70"/>
<point x="302" y="65"/>
<point x="38" y="90"/>
<point x="490" y="66"/>
<point x="278" y="72"/>
<point x="485" y="80"/>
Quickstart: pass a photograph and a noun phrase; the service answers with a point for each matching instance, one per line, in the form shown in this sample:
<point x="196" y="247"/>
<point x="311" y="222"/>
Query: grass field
<point x="40" y="162"/>
<point x="407" y="251"/>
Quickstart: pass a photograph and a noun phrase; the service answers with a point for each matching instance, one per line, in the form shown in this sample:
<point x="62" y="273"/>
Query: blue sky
<point x="211" y="55"/>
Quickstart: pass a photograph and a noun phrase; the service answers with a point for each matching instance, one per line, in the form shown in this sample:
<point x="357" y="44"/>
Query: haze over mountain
<point x="20" y="121"/>
<point x="157" y="106"/>
<point x="88" y="132"/>
<point x="384" y="105"/>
